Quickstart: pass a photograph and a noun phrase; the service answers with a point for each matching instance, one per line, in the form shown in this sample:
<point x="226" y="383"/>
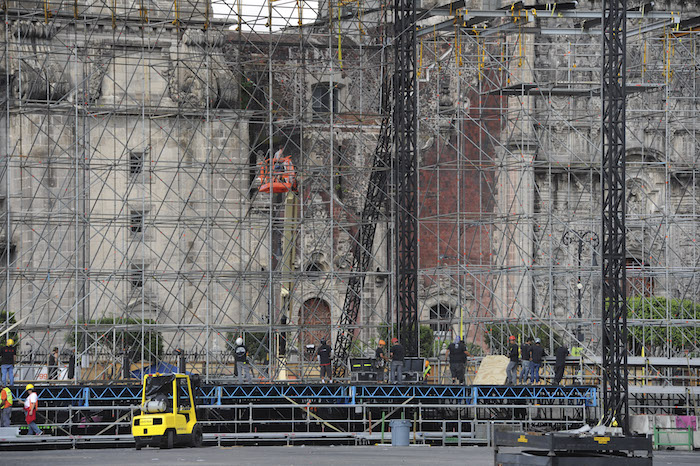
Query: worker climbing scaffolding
<point x="283" y="177"/>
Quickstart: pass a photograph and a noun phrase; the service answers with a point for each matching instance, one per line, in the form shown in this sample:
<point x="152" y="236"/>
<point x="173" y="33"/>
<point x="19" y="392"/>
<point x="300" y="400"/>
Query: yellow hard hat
<point x="10" y="342"/>
<point x="29" y="387"/>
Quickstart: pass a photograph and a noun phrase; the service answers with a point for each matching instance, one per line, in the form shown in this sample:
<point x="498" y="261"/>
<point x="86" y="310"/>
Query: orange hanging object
<point x="275" y="187"/>
<point x="283" y="177"/>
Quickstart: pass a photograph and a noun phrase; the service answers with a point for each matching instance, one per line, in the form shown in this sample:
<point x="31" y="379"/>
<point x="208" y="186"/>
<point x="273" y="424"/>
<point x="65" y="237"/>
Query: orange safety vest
<point x="262" y="173"/>
<point x="6" y="397"/>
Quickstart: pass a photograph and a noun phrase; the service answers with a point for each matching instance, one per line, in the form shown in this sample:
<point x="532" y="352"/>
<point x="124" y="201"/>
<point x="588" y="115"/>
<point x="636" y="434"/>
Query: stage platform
<point x="126" y="394"/>
<point x="285" y="413"/>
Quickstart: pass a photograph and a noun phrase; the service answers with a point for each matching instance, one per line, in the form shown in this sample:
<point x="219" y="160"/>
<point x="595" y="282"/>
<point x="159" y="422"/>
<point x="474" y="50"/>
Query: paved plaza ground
<point x="295" y="455"/>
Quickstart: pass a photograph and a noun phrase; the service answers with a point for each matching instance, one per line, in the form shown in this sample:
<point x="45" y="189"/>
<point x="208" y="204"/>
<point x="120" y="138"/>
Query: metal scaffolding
<point x="133" y="136"/>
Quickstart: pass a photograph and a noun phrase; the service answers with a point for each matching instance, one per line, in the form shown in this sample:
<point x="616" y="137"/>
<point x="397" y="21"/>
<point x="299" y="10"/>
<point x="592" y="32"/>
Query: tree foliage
<point x="474" y="349"/>
<point x="126" y="337"/>
<point x="678" y="337"/>
<point x="10" y="321"/>
<point x="426" y="336"/>
<point x="497" y="335"/>
<point x="257" y="344"/>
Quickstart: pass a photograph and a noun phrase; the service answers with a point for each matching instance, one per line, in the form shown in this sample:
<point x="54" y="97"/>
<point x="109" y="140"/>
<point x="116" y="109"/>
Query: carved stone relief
<point x="343" y="255"/>
<point x="96" y="71"/>
<point x="34" y="82"/>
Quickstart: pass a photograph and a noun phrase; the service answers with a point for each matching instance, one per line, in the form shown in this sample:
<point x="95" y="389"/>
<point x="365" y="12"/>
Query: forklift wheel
<point x="168" y="440"/>
<point x="138" y="443"/>
<point x="197" y="436"/>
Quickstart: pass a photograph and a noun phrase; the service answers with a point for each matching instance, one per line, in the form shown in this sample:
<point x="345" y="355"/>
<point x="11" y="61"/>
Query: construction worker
<point x="324" y="359"/>
<point x="242" y="366"/>
<point x="7" y="362"/>
<point x="457" y="355"/>
<point x="6" y="404"/>
<point x="525" y="355"/>
<point x="560" y="353"/>
<point x="380" y="360"/>
<point x="289" y="176"/>
<point x="71" y="365"/>
<point x="536" y="355"/>
<point x="283" y="176"/>
<point x="53" y="364"/>
<point x="398" y="353"/>
<point x="31" y="404"/>
<point x="512" y="368"/>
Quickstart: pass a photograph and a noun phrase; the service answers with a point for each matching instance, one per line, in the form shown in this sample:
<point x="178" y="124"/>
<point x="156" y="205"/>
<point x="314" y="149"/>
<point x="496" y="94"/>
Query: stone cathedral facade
<point x="132" y="139"/>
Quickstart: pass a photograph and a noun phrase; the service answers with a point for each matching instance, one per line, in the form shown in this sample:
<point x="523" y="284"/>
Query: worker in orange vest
<point x="6" y="404"/>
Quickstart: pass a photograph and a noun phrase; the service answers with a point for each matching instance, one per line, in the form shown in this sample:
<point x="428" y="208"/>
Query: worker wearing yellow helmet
<point x="31" y="404"/>
<point x="7" y="362"/>
<point x="380" y="360"/>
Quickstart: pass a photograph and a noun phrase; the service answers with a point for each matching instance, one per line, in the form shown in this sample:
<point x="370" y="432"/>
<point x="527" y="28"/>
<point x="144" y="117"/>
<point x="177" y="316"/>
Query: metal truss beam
<point x="614" y="292"/>
<point x="423" y="392"/>
<point x="405" y="172"/>
<point x="468" y="19"/>
<point x="217" y="395"/>
<point x="364" y="244"/>
<point x="530" y="14"/>
<point x="579" y="394"/>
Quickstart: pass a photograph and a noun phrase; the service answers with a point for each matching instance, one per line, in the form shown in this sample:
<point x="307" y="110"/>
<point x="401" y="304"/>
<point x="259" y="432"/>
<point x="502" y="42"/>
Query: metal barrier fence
<point x="358" y="423"/>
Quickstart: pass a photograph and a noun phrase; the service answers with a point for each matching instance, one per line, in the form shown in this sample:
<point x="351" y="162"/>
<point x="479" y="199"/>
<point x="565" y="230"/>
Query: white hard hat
<point x="239" y="341"/>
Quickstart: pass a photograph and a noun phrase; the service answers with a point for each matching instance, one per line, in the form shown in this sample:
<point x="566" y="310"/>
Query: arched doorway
<point x="315" y="322"/>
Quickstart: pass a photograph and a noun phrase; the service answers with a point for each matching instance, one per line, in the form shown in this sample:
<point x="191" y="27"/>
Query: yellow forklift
<point x="167" y="413"/>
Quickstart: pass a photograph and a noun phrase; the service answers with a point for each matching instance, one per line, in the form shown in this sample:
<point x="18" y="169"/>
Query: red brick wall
<point x="456" y="189"/>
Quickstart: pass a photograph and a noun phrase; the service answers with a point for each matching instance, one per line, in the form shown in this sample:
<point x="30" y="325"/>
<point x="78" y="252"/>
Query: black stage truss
<point x="614" y="295"/>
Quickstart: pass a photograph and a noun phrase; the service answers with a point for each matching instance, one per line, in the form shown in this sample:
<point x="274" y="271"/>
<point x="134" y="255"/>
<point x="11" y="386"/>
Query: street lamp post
<point x="580" y="237"/>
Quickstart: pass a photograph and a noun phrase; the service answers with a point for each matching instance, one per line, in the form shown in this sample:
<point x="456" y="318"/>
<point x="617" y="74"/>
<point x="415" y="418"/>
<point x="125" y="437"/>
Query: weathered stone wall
<point x="157" y="10"/>
<point x="128" y="169"/>
<point x="333" y="154"/>
<point x="661" y="170"/>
